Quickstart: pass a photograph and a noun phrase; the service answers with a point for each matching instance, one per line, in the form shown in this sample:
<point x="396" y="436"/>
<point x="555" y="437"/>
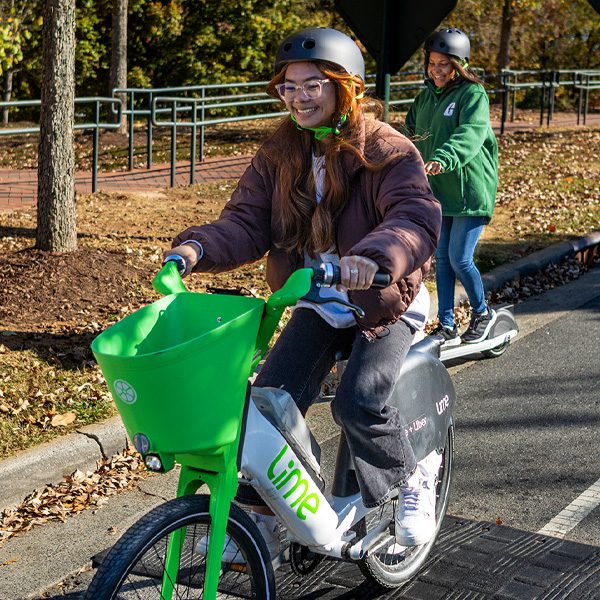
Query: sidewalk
<point x="18" y="188"/>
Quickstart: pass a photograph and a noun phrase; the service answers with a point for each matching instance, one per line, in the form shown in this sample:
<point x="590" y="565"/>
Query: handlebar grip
<point x="381" y="280"/>
<point x="178" y="260"/>
<point x="330" y="275"/>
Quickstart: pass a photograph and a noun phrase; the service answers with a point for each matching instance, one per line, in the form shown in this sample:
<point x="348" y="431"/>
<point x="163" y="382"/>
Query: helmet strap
<point x="323" y="131"/>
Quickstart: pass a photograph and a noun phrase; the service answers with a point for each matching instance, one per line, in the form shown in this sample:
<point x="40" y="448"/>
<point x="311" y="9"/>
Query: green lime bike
<point x="179" y="372"/>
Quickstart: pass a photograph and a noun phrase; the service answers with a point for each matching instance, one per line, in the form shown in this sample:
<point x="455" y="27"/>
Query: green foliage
<point x="92" y="53"/>
<point x="18" y="24"/>
<point x="557" y="34"/>
<point x="192" y="42"/>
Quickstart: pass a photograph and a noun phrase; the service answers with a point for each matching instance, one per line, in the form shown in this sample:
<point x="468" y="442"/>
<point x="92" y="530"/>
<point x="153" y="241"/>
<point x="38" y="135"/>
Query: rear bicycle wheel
<point x="389" y="564"/>
<point x="135" y="566"/>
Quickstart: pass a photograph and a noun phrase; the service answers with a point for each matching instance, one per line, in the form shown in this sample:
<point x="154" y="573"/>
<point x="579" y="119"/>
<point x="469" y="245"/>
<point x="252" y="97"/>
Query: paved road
<point x="527" y="447"/>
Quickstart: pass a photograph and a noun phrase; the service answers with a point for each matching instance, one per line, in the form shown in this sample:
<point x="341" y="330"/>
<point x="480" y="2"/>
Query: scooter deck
<point x="487" y="344"/>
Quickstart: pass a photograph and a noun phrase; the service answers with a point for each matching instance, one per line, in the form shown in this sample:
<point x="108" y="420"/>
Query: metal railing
<point x="547" y="82"/>
<point x="195" y="113"/>
<point x="196" y="108"/>
<point x="95" y="125"/>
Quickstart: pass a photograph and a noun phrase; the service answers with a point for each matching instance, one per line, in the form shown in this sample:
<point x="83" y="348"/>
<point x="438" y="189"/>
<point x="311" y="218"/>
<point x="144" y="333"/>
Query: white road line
<point x="571" y="516"/>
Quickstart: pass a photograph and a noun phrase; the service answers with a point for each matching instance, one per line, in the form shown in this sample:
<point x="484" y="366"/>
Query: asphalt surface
<point x="487" y="487"/>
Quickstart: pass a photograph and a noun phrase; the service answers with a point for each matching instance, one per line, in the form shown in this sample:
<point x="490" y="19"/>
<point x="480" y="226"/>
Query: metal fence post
<point x="95" y="143"/>
<point x="542" y="98"/>
<point x="193" y="145"/>
<point x="586" y="98"/>
<point x="505" y="99"/>
<point x="202" y="117"/>
<point x="149" y="133"/>
<point x="173" y="142"/>
<point x="514" y="99"/>
<point x="554" y="78"/>
<point x="131" y="128"/>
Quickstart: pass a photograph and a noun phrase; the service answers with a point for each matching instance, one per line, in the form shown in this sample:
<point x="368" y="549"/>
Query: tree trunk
<point x="118" y="56"/>
<point x="8" y="85"/>
<point x="56" y="226"/>
<point x="505" y="31"/>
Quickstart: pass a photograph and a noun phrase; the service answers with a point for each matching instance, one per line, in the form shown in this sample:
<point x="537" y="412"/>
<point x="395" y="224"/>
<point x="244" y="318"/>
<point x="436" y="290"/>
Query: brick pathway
<point x="18" y="188"/>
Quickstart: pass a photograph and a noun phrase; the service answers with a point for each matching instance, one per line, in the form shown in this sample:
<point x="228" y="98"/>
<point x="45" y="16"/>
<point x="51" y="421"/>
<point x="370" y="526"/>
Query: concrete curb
<point x="50" y="462"/>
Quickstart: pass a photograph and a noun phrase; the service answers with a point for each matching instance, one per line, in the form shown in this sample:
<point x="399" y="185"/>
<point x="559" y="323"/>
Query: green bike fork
<point x="219" y="472"/>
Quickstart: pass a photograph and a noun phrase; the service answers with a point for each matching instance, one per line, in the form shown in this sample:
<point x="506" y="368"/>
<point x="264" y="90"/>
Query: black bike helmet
<point x="321" y="43"/>
<point x="449" y="41"/>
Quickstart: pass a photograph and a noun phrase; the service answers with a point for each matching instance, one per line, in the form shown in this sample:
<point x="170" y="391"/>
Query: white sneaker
<point x="269" y="529"/>
<point x="415" y="517"/>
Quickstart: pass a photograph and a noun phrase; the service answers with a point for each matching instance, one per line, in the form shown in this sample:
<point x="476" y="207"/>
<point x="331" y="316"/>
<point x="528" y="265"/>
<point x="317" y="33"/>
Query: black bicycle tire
<point x="391" y="576"/>
<point x="166" y="518"/>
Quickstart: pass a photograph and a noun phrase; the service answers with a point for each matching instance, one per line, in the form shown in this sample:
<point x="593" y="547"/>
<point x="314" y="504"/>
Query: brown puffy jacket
<point x="391" y="217"/>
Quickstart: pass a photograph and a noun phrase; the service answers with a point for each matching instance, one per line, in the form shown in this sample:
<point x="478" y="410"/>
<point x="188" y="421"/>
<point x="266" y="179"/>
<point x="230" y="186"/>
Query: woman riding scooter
<point x="450" y="120"/>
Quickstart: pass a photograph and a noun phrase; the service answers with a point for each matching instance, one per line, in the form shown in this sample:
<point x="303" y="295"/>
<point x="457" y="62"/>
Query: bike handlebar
<point x="178" y="260"/>
<point x="328" y="275"/>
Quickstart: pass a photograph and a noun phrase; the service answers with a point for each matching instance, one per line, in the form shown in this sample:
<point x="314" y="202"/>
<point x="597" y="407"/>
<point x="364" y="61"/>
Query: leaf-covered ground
<point x="52" y="305"/>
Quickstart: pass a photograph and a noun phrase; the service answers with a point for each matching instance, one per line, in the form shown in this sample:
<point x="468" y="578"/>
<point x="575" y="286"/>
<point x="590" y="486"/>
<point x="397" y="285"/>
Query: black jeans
<point x="301" y="359"/>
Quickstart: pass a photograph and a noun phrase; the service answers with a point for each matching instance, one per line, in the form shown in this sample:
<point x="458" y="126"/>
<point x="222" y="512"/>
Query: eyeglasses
<point x="311" y="89"/>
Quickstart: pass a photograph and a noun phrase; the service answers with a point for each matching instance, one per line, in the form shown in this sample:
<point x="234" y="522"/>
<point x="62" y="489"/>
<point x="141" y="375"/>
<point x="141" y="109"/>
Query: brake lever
<point x="314" y="297"/>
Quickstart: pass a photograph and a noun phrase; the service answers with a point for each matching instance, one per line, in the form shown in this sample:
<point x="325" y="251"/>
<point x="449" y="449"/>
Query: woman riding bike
<point x="334" y="184"/>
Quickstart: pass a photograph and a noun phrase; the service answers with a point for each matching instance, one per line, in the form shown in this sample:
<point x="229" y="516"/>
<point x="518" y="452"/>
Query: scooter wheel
<point x="391" y="565"/>
<point x="497" y="351"/>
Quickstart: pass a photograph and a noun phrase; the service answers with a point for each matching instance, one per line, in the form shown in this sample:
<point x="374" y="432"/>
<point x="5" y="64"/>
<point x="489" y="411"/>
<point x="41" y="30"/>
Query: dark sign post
<point x="391" y="31"/>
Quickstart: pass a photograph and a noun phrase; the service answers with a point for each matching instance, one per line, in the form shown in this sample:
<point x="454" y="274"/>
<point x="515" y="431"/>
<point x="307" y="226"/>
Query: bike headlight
<point x="153" y="462"/>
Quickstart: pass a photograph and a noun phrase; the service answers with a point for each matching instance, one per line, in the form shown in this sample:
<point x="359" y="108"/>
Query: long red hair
<point x="306" y="225"/>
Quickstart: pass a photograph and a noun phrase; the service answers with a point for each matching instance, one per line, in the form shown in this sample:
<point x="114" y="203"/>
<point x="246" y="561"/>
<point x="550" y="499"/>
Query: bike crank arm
<point x="376" y="538"/>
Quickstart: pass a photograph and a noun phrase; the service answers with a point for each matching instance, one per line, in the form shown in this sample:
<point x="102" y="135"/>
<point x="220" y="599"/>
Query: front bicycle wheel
<point x="389" y="564"/>
<point x="135" y="566"/>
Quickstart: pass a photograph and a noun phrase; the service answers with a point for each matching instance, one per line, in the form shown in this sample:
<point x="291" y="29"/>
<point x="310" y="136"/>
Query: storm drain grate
<point x="471" y="561"/>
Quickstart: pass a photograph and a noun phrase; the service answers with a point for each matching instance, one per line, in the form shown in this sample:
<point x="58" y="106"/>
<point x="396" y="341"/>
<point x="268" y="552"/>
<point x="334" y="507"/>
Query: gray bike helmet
<point x="449" y="41"/>
<point x="321" y="43"/>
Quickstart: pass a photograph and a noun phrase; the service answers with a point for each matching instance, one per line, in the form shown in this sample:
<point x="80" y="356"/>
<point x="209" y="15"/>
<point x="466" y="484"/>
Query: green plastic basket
<point x="178" y="369"/>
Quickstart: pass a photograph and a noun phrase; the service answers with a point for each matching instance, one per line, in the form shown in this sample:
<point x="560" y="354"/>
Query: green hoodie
<point x="452" y="126"/>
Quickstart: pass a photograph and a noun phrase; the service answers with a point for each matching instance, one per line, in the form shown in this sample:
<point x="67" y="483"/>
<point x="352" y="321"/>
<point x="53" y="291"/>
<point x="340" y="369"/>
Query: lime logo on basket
<point x="125" y="391"/>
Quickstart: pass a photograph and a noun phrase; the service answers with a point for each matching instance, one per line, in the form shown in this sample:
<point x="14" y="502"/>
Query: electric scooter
<point x="496" y="342"/>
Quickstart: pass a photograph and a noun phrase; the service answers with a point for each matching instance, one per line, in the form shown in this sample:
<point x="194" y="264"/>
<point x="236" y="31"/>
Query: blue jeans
<point x="300" y="360"/>
<point x="454" y="258"/>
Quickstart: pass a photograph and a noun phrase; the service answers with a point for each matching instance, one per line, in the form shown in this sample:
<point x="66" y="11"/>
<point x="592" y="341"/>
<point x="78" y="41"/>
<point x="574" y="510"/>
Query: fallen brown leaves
<point x="78" y="491"/>
<point x="553" y="276"/>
